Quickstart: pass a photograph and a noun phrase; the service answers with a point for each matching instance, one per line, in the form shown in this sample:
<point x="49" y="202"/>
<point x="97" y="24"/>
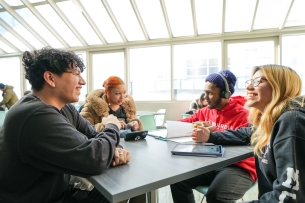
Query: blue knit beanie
<point x="218" y="81"/>
<point x="2" y="85"/>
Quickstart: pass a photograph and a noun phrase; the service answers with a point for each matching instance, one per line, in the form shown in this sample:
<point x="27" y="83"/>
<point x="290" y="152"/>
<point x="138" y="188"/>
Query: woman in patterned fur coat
<point x="111" y="100"/>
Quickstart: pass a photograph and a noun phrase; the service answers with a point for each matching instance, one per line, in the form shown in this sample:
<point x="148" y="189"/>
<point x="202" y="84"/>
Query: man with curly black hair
<point x="44" y="139"/>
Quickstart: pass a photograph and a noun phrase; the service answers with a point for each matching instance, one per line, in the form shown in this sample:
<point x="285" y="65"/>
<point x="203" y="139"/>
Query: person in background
<point x="199" y="103"/>
<point x="113" y="100"/>
<point x="82" y="106"/>
<point x="9" y="96"/>
<point x="277" y="116"/>
<point x="131" y="126"/>
<point x="44" y="140"/>
<point x="223" y="112"/>
<point x="27" y="92"/>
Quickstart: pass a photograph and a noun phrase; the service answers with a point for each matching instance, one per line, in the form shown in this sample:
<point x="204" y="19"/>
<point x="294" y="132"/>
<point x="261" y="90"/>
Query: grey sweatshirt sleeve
<point x="65" y="143"/>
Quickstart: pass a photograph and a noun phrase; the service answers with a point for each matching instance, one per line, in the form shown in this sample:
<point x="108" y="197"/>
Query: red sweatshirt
<point x="231" y="117"/>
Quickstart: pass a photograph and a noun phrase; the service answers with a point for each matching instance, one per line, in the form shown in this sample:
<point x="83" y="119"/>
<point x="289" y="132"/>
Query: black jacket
<point x="281" y="169"/>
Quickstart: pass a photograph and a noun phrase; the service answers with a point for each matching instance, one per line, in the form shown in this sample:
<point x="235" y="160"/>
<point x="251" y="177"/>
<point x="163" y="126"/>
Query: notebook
<point x="176" y="131"/>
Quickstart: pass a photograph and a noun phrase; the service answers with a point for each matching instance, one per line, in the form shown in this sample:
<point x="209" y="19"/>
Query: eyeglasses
<point x="255" y="82"/>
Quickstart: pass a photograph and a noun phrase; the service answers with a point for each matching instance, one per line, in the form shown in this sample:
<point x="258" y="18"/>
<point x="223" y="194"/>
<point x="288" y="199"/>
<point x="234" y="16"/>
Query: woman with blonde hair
<point x="277" y="133"/>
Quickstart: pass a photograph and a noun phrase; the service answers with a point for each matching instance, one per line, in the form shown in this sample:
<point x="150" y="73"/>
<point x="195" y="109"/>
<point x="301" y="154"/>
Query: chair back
<point x="159" y="119"/>
<point x="2" y="117"/>
<point x="148" y="121"/>
<point x="186" y="115"/>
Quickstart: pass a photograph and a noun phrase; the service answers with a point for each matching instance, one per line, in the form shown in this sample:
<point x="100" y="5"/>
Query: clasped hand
<point x="201" y="134"/>
<point x="121" y="156"/>
<point x="111" y="119"/>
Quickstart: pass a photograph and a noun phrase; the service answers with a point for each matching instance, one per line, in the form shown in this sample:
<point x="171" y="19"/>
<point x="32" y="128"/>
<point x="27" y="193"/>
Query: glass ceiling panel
<point x="240" y="11"/>
<point x="297" y="15"/>
<point x="152" y="15"/>
<point x="11" y="21"/>
<point x="125" y="15"/>
<point x="79" y="22"/>
<point x="51" y="16"/>
<point x="180" y="17"/>
<point x="97" y="11"/>
<point x="28" y="16"/>
<point x="273" y="10"/>
<point x="14" y="2"/>
<point x="209" y="16"/>
<point x="11" y="38"/>
<point x="6" y="48"/>
<point x="35" y="1"/>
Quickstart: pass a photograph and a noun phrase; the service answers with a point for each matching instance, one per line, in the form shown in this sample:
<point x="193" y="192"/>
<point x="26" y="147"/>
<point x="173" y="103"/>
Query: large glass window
<point x="243" y="56"/>
<point x="150" y="73"/>
<point x="209" y="16"/>
<point x="293" y="54"/>
<point x="105" y="65"/>
<point x="11" y="77"/>
<point x="192" y="63"/>
<point x="180" y="17"/>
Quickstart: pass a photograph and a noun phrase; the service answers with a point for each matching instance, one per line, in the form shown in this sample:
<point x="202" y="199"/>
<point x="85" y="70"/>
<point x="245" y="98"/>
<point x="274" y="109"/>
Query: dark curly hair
<point x="48" y="59"/>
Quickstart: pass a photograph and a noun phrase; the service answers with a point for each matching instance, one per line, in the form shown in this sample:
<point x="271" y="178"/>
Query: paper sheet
<point x="178" y="129"/>
<point x="181" y="139"/>
<point x="158" y="133"/>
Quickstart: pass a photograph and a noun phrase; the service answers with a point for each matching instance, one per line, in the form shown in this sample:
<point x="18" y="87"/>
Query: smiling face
<point x="69" y="85"/>
<point x="259" y="97"/>
<point x="117" y="94"/>
<point x="212" y="96"/>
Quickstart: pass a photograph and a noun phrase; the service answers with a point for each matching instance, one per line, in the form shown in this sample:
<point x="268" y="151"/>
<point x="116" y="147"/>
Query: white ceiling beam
<point x="2" y="51"/>
<point x="140" y="20"/>
<point x="282" y="25"/>
<point x="8" y="43"/>
<point x="169" y="29"/>
<point x="253" y="16"/>
<point x="200" y="38"/>
<point x="23" y="22"/>
<point x="16" y="34"/>
<point x="223" y="17"/>
<point x="22" y="6"/>
<point x="45" y="23"/>
<point x="193" y="6"/>
<point x="114" y="20"/>
<point x="67" y="22"/>
<point x="90" y="21"/>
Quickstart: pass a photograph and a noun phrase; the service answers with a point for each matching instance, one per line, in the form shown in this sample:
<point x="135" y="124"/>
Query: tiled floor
<point x="164" y="195"/>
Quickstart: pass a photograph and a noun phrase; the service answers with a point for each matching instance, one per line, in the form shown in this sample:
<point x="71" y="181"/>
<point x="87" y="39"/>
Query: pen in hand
<point x="192" y="131"/>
